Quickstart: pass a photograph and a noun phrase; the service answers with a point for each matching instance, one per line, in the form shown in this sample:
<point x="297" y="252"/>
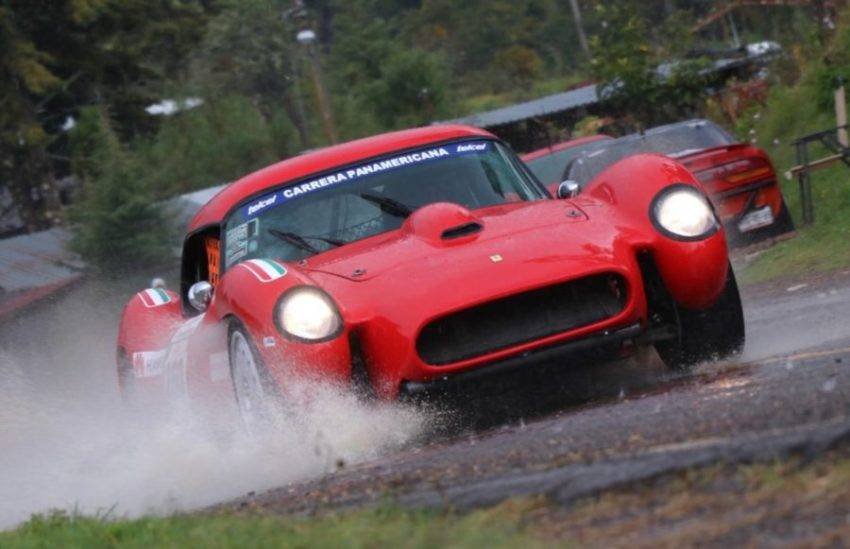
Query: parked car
<point x="548" y="163"/>
<point x="416" y="263"/>
<point x="739" y="177"/>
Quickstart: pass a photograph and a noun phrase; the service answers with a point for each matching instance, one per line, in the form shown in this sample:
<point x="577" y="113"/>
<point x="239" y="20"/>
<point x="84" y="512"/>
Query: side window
<point x="200" y="261"/>
<point x="212" y="245"/>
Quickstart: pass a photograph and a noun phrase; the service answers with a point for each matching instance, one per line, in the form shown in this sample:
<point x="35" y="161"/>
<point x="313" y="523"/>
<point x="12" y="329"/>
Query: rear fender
<point x="148" y="321"/>
<point x="694" y="272"/>
<point x="248" y="294"/>
<point x="147" y="324"/>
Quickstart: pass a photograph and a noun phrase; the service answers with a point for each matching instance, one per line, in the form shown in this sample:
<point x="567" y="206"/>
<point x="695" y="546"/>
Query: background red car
<point x="414" y="262"/>
<point x="548" y="163"/>
<point x="739" y="177"/>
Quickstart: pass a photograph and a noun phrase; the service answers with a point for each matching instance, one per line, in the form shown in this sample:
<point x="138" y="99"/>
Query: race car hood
<point x="437" y="237"/>
<point x="417" y="273"/>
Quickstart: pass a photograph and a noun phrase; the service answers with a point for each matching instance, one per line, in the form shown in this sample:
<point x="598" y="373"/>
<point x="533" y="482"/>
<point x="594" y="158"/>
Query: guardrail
<point x="835" y="140"/>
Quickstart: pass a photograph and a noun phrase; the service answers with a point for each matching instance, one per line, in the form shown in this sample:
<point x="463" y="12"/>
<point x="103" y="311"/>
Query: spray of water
<point x="67" y="441"/>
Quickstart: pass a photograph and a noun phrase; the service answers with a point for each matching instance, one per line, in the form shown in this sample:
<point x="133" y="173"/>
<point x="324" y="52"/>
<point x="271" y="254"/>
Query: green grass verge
<point x="384" y="527"/>
<point x="792" y="112"/>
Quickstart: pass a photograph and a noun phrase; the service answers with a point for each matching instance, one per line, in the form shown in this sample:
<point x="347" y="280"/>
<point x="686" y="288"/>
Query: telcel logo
<point x="471" y="147"/>
<point x="254" y="208"/>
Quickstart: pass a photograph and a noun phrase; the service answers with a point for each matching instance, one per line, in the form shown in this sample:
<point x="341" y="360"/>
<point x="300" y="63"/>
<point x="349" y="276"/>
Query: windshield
<point x="550" y="168"/>
<point x="674" y="141"/>
<point x="358" y="201"/>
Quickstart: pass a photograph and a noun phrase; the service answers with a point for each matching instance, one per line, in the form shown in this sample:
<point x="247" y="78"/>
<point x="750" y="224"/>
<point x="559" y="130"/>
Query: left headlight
<point x="307" y="313"/>
<point x="683" y="212"/>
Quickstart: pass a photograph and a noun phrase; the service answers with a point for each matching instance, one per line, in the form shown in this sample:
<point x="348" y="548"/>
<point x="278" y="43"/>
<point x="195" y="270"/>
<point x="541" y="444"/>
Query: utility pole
<point x="294" y="103"/>
<point x="308" y="38"/>
<point x="582" y="38"/>
<point x="841" y="113"/>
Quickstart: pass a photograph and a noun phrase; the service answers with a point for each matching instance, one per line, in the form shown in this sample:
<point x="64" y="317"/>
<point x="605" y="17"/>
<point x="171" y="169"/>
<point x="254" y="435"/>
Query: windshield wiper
<point x="331" y="241"/>
<point x="294" y="239"/>
<point x="388" y="205"/>
<point x="301" y="240"/>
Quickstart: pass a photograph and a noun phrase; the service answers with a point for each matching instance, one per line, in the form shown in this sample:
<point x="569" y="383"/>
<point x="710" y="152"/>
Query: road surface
<point x="66" y="442"/>
<point x="790" y="387"/>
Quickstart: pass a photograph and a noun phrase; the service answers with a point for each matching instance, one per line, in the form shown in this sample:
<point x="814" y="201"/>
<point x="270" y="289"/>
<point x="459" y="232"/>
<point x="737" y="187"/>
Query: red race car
<point x="739" y="178"/>
<point x="412" y="263"/>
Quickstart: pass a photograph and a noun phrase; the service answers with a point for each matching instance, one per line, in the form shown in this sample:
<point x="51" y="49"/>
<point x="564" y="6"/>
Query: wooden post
<point x="805" y="183"/>
<point x="841" y="115"/>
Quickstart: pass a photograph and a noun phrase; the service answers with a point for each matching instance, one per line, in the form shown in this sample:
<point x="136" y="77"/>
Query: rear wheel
<point x="252" y="386"/>
<point x="701" y="335"/>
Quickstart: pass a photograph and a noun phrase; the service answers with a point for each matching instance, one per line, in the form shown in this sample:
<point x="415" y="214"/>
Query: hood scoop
<point x="443" y="223"/>
<point x="462" y="230"/>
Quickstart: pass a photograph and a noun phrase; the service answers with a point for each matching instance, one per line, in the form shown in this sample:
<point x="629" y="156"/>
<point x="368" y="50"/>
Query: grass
<point x="824" y="246"/>
<point x="793" y="502"/>
<point x="797" y="501"/>
<point x="384" y="527"/>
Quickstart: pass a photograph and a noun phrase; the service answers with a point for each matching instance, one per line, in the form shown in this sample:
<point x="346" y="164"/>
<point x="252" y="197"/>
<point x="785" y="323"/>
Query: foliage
<point x="411" y="90"/>
<point x="386" y="64"/>
<point x="832" y="67"/>
<point x="60" y="56"/>
<point x="209" y="145"/>
<point x="250" y="49"/>
<point x="792" y="111"/>
<point x="120" y="227"/>
<point x="637" y="78"/>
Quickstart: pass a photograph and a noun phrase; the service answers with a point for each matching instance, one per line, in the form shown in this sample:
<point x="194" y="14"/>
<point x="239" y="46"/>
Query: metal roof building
<point x="551" y="104"/>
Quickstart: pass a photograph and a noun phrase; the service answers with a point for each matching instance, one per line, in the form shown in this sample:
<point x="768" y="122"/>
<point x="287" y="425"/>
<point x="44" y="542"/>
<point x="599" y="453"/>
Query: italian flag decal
<point x="265" y="269"/>
<point x="154" y="297"/>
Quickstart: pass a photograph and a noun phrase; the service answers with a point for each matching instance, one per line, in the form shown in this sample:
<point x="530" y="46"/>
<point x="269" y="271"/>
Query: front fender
<point x="249" y="292"/>
<point x="694" y="272"/>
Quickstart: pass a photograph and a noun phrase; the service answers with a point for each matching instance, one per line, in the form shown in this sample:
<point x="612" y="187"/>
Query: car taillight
<point x="736" y="171"/>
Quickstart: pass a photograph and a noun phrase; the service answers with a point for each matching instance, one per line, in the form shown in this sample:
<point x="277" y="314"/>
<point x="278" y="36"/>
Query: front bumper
<point x="465" y="381"/>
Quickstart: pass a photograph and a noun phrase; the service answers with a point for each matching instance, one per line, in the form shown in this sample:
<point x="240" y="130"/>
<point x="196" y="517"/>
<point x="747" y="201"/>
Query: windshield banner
<point x="355" y="173"/>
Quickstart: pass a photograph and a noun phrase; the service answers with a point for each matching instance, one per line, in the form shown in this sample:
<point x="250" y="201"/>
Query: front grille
<point x="521" y="318"/>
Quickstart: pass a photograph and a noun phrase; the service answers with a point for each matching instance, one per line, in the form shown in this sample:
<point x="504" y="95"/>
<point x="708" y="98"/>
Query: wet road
<point x="793" y="375"/>
<point x="66" y="442"/>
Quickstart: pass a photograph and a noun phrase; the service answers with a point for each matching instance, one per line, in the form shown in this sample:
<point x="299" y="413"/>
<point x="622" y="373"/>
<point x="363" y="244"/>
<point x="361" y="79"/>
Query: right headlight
<point x="308" y="314"/>
<point x="683" y="212"/>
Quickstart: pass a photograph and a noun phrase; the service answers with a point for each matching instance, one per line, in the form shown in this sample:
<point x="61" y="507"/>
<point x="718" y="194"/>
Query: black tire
<point x="710" y="334"/>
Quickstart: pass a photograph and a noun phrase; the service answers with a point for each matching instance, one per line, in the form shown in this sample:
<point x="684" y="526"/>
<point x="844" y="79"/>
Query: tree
<point x="410" y="91"/>
<point x="25" y="78"/>
<point x="119" y="224"/>
<point x="63" y="55"/>
<point x="638" y="79"/>
<point x="250" y="49"/>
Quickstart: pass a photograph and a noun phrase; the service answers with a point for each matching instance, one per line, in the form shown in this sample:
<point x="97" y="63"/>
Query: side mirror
<point x="200" y="294"/>
<point x="568" y="189"/>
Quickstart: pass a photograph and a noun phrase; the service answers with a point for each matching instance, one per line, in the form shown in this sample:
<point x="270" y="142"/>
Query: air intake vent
<point x="461" y="230"/>
<point x="521" y="318"/>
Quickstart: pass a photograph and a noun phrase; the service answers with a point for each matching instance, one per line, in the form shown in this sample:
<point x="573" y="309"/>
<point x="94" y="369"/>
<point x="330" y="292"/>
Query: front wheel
<point x="710" y="334"/>
<point x="252" y="386"/>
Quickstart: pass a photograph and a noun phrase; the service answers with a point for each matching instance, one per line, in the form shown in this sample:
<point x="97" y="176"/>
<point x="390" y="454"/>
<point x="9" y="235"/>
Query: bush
<point x="411" y="90"/>
<point x="117" y="224"/>
<point x="209" y="145"/>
